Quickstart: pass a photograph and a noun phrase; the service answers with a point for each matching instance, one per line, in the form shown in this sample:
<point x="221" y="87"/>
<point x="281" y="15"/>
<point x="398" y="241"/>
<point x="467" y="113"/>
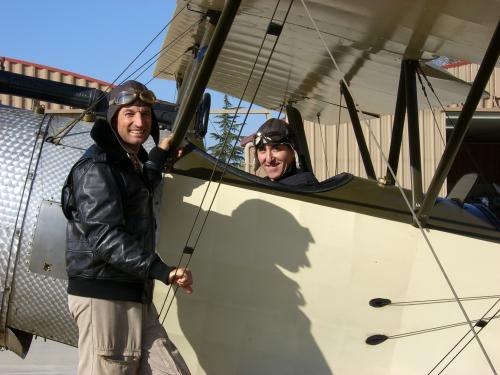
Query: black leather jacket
<point x="110" y="252"/>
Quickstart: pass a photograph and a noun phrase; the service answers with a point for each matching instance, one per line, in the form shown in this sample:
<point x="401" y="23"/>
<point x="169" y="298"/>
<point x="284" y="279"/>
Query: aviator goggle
<point x="271" y="137"/>
<point x="130" y="96"/>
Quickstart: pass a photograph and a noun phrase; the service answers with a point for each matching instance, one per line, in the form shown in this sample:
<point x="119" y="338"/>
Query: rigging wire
<point x="244" y="121"/>
<point x="338" y="136"/>
<point x="323" y="144"/>
<point x="165" y="68"/>
<point x="217" y="162"/>
<point x="482" y="319"/>
<point x="441" y="300"/>
<point x="147" y="46"/>
<point x="232" y="151"/>
<point x="415" y="218"/>
<point x="66" y="129"/>
<point x="438" y="328"/>
<point x="153" y="59"/>
<point x="429" y="103"/>
<point x="471" y="157"/>
<point x="281" y="108"/>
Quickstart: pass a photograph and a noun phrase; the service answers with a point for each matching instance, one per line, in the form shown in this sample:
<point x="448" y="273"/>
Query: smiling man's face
<point x="275" y="159"/>
<point x="133" y="125"/>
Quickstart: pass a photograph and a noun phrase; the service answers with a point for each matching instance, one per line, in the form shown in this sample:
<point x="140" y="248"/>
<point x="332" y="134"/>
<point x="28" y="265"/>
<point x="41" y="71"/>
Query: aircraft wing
<point x="368" y="40"/>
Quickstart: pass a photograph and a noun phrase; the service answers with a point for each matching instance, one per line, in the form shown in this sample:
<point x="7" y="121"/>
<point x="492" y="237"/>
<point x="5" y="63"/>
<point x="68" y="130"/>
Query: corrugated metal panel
<point x="468" y="72"/>
<point x="44" y="72"/>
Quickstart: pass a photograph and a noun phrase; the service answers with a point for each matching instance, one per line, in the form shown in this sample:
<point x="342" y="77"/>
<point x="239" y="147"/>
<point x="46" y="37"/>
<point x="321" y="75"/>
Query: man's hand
<point x="183" y="278"/>
<point x="165" y="145"/>
<point x="165" y="142"/>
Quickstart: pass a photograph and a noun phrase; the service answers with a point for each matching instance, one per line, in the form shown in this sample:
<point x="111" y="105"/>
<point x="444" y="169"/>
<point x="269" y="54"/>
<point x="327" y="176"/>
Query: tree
<point x="227" y="127"/>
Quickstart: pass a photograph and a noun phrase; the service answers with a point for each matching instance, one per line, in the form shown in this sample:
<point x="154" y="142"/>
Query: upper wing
<point x="368" y="40"/>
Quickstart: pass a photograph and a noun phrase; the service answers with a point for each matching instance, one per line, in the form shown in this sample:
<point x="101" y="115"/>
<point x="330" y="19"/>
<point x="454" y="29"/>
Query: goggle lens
<point x="271" y="137"/>
<point x="128" y="97"/>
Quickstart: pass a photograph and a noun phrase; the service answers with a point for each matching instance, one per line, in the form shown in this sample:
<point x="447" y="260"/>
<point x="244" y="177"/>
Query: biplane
<point x="350" y="276"/>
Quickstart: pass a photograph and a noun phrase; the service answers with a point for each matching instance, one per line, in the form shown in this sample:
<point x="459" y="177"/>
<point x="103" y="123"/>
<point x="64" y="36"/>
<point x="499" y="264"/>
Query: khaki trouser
<point x="120" y="337"/>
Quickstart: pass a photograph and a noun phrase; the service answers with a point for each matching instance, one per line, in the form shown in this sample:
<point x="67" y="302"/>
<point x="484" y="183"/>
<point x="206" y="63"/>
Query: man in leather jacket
<point x="110" y="255"/>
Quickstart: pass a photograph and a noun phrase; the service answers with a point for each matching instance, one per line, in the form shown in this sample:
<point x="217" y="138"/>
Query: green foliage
<point x="227" y="127"/>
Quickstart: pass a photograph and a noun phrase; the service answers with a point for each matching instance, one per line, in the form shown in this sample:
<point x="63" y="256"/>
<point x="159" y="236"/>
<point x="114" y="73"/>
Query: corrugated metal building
<point x="45" y="72"/>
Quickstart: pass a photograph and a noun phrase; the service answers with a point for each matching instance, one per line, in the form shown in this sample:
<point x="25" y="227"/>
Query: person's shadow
<point x="245" y="315"/>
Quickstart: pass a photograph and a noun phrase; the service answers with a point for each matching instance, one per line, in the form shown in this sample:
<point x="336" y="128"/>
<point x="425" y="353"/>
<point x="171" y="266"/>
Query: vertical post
<point x="397" y="130"/>
<point x="358" y="132"/>
<point x="195" y="62"/>
<point x="188" y="110"/>
<point x="457" y="137"/>
<point x="410" y="69"/>
<point x="295" y="121"/>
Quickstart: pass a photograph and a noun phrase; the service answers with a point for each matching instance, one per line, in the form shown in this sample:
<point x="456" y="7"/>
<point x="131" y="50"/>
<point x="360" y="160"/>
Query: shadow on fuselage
<point x="246" y="315"/>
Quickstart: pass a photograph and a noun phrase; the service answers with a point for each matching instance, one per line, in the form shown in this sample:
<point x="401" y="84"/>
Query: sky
<point x="96" y="39"/>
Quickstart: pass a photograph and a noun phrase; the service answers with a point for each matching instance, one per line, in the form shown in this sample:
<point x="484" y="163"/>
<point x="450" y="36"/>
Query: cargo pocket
<point x="117" y="364"/>
<point x="116" y="335"/>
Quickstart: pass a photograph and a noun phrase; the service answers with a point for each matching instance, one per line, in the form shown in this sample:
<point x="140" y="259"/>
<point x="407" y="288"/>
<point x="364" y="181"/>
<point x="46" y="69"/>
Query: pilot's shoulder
<point x="300" y="178"/>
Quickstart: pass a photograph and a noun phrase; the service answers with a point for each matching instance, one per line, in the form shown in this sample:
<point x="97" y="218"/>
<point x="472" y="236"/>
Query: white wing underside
<point x="368" y="40"/>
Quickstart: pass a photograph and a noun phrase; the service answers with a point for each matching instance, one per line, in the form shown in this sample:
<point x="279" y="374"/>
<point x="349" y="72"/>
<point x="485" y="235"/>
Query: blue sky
<point x="93" y="38"/>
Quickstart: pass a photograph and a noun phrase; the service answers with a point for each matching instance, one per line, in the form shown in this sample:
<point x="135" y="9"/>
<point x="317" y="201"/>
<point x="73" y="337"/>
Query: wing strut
<point x="187" y="111"/>
<point x="397" y="130"/>
<point x="358" y="132"/>
<point x="410" y="74"/>
<point x="462" y="125"/>
<point x="295" y="120"/>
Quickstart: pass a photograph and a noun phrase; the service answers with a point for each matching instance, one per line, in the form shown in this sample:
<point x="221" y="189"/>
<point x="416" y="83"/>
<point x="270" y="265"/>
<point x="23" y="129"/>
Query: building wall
<point x="45" y="72"/>
<point x="333" y="148"/>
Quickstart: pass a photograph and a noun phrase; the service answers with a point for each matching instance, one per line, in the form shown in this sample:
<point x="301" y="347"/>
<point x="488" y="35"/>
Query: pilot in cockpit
<point x="275" y="145"/>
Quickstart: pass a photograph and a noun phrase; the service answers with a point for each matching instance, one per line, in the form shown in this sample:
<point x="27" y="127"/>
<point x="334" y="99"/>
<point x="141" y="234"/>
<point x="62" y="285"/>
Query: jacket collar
<point x="106" y="138"/>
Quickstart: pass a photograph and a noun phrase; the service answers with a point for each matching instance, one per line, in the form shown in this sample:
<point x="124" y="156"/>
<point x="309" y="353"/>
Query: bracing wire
<point x="153" y="59"/>
<point x="323" y="144"/>
<point x="338" y="136"/>
<point x="484" y="320"/>
<point x="415" y="218"/>
<point x="429" y="103"/>
<point x="281" y="108"/>
<point x="439" y="328"/>
<point x="66" y="129"/>
<point x="441" y="300"/>
<point x="232" y="151"/>
<point x="471" y="158"/>
<point x="217" y="163"/>
<point x="164" y="69"/>
<point x="147" y="46"/>
<point x="466" y="344"/>
<point x="245" y="119"/>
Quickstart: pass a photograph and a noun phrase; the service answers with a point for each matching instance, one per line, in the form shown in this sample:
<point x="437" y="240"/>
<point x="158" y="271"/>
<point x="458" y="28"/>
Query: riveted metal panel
<point x="49" y="244"/>
<point x="19" y="149"/>
<point x="38" y="303"/>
